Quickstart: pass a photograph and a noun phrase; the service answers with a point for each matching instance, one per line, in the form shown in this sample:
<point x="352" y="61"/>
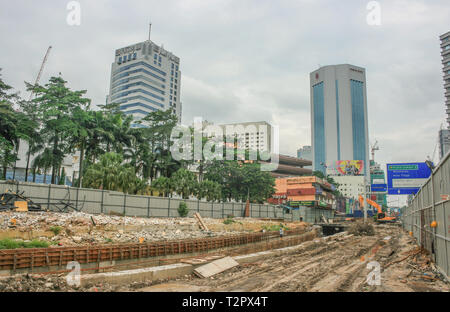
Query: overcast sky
<point x="250" y="60"/>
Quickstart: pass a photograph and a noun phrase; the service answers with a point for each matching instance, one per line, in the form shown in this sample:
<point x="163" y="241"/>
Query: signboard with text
<point x="406" y="178"/>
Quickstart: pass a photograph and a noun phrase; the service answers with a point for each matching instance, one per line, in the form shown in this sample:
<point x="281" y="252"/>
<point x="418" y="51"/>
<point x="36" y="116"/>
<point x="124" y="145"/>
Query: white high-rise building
<point x="445" y="53"/>
<point x="339" y="128"/>
<point x="144" y="78"/>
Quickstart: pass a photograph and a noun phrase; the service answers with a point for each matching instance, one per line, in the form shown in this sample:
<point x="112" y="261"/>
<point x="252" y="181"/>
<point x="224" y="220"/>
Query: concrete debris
<point x="215" y="267"/>
<point x="362" y="229"/>
<point x="80" y="228"/>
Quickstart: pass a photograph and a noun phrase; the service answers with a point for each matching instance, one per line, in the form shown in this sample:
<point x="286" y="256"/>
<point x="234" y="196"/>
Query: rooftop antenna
<point x="149" y="31"/>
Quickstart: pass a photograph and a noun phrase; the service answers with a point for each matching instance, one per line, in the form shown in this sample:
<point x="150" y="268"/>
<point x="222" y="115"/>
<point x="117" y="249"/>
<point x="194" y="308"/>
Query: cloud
<point x="250" y="60"/>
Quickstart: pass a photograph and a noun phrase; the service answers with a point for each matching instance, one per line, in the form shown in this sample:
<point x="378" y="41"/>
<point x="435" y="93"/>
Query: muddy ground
<point x="335" y="264"/>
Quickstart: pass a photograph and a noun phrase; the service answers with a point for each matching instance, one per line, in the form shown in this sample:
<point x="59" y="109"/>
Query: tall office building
<point x="444" y="142"/>
<point x="445" y="53"/>
<point x="144" y="78"/>
<point x="339" y="116"/>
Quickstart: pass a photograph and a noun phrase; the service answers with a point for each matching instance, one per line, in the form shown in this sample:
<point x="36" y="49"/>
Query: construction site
<point x="40" y="249"/>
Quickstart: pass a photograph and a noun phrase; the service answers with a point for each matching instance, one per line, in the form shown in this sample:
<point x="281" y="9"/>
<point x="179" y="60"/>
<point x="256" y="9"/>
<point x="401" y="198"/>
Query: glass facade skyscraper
<point x="339" y="116"/>
<point x="145" y="78"/>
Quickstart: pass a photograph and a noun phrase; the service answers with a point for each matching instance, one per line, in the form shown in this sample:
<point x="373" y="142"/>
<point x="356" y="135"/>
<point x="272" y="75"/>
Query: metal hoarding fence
<point x="427" y="216"/>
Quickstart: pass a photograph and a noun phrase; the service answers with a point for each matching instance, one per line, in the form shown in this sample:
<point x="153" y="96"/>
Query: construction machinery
<point x="381" y="216"/>
<point x="41" y="70"/>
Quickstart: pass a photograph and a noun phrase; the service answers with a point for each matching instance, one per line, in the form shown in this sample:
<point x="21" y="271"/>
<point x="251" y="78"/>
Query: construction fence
<point x="428" y="216"/>
<point x="57" y="197"/>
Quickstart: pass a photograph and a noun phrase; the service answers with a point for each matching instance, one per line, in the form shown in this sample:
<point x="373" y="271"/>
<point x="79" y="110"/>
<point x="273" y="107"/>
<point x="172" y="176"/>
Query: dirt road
<point x="336" y="264"/>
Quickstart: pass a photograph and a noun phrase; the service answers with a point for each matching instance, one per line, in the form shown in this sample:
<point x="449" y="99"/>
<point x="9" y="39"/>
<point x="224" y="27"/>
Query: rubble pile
<point x="362" y="229"/>
<point x="79" y="228"/>
<point x="49" y="283"/>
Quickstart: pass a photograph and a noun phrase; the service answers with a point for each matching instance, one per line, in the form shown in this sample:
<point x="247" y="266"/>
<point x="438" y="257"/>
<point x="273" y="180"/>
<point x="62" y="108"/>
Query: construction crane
<point x="41" y="70"/>
<point x="374" y="148"/>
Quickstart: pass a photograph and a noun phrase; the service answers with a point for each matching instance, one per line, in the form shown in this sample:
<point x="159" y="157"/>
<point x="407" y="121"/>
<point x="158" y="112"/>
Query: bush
<point x="55" y="229"/>
<point x="228" y="221"/>
<point x="183" y="209"/>
<point x="13" y="244"/>
<point x="275" y="227"/>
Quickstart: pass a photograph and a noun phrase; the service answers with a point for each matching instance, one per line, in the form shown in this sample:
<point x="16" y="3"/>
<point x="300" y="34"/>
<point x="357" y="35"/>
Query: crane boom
<point x="41" y="69"/>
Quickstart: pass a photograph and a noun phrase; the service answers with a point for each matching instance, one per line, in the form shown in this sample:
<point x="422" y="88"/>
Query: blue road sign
<point x="406" y="178"/>
<point x="378" y="187"/>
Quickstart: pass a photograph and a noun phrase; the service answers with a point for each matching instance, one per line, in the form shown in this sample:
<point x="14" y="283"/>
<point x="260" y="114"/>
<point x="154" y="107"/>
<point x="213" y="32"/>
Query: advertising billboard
<point x="406" y="178"/>
<point x="346" y="168"/>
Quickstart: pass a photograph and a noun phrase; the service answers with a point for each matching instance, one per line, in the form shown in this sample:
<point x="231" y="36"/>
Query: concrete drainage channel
<point x="180" y="269"/>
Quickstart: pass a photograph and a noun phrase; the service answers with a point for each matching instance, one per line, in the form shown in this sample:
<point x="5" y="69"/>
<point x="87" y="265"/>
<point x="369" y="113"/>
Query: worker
<point x="281" y="232"/>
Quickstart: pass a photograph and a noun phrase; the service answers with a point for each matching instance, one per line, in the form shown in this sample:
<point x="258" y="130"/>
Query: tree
<point x="210" y="190"/>
<point x="240" y="181"/>
<point x="56" y="103"/>
<point x="163" y="185"/>
<point x="184" y="182"/>
<point x="110" y="174"/>
<point x="34" y="140"/>
<point x="9" y="138"/>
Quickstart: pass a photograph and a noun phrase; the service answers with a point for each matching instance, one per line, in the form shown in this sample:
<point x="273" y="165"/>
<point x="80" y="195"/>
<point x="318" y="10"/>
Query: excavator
<point x="381" y="216"/>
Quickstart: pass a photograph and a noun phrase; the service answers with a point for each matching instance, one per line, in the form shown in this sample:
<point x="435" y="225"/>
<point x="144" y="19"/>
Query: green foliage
<point x="183" y="210"/>
<point x="8" y="243"/>
<point x="240" y="181"/>
<point x="110" y="174"/>
<point x="55" y="229"/>
<point x="184" y="183"/>
<point x="275" y="227"/>
<point x="228" y="221"/>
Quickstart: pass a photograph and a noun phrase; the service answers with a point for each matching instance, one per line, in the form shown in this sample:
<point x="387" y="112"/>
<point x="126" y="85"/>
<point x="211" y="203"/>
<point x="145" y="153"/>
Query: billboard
<point x="346" y="168"/>
<point x="406" y="178"/>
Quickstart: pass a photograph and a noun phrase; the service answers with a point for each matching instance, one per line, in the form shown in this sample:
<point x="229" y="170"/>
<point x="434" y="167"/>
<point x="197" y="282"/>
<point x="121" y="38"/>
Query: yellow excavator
<point x="381" y="216"/>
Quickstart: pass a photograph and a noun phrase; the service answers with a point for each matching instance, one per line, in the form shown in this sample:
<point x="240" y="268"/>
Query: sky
<point x="250" y="60"/>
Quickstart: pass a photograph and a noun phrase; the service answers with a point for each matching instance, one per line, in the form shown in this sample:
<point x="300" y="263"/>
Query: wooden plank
<point x="215" y="267"/>
<point x="200" y="221"/>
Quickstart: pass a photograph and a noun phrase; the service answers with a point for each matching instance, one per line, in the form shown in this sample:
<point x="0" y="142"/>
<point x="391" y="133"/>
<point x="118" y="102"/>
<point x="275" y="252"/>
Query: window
<point x="155" y="56"/>
<point x="134" y="56"/>
<point x="171" y="79"/>
<point x="171" y="85"/>
<point x="172" y="72"/>
<point x="447" y="47"/>
<point x="129" y="57"/>
<point x="120" y="59"/>
<point x="176" y="74"/>
<point x="172" y="65"/>
<point x="170" y="91"/>
<point x="176" y="67"/>
<point x="160" y="58"/>
<point x="176" y="81"/>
